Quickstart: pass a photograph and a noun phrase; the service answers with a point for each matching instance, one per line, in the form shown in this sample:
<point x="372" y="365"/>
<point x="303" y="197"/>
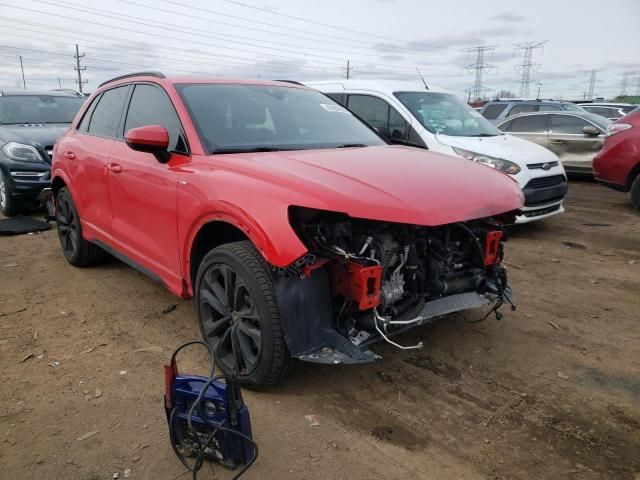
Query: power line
<point x="79" y="69"/>
<point x="527" y="65"/>
<point x="314" y="22"/>
<point x="479" y="67"/>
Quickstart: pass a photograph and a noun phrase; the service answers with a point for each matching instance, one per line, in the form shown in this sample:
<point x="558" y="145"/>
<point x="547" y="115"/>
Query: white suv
<point x="411" y="114"/>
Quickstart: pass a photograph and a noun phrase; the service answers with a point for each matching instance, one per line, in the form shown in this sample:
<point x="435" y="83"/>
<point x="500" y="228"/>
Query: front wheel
<point x="239" y="315"/>
<point x="635" y="192"/>
<point x="8" y="204"/>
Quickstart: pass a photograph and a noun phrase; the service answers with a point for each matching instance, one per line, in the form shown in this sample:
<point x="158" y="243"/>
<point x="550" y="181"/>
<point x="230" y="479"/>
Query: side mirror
<point x="152" y="139"/>
<point x="591" y="130"/>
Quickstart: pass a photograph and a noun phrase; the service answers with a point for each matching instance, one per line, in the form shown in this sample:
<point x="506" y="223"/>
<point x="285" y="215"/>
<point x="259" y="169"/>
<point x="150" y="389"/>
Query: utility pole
<point x="59" y="83"/>
<point x="348" y="70"/>
<point x="79" y="69"/>
<point x="539" y="87"/>
<point x="527" y="65"/>
<point x="24" y="83"/>
<point x="480" y="66"/>
<point x="592" y="84"/>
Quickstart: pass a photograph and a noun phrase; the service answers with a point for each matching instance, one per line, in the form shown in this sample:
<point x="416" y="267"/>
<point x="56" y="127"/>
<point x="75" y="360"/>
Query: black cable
<point x="200" y="446"/>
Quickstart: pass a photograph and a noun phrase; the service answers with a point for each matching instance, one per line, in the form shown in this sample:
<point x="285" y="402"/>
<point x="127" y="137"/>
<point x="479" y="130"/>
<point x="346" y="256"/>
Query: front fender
<point x="280" y="246"/>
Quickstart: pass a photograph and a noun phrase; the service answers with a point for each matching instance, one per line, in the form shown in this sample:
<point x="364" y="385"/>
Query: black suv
<point x="30" y="123"/>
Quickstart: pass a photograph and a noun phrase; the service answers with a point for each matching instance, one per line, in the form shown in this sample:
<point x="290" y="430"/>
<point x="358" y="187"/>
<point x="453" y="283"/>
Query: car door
<point x="144" y="191"/>
<point x="575" y="148"/>
<point x="85" y="154"/>
<point x="530" y="127"/>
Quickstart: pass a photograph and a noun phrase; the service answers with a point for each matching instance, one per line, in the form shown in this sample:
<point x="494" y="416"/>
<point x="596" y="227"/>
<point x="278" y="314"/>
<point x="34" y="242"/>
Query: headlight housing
<point x="498" y="163"/>
<point x="22" y="152"/>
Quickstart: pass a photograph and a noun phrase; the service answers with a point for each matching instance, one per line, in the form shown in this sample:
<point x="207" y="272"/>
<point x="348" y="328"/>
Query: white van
<point x="411" y="114"/>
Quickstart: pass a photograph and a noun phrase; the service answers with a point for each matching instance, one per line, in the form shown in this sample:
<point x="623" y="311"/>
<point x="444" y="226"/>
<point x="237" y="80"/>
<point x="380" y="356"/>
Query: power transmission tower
<point x="79" y="69"/>
<point x="24" y="83"/>
<point x="347" y="70"/>
<point x="592" y="83"/>
<point x="624" y="83"/>
<point x="480" y="66"/>
<point x="527" y="65"/>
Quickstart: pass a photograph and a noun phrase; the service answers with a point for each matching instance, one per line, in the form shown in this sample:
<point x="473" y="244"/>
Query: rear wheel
<point x="8" y="204"/>
<point x="75" y="248"/>
<point x="239" y="315"/>
<point x="635" y="192"/>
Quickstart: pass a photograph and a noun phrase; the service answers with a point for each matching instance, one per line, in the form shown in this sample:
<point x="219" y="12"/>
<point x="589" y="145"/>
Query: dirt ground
<point x="552" y="391"/>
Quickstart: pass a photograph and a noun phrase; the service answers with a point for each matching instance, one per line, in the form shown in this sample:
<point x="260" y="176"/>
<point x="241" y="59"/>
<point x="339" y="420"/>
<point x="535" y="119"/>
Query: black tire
<point x="246" y="321"/>
<point x="75" y="248"/>
<point x="8" y="203"/>
<point x="635" y="192"/>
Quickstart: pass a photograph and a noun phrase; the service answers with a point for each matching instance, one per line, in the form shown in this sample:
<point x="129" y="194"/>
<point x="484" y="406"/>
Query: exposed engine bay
<point x="386" y="277"/>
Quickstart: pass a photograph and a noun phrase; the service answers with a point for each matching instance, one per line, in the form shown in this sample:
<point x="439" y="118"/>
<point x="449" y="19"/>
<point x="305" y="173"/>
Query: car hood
<point x="38" y="135"/>
<point x="387" y="183"/>
<point x="507" y="147"/>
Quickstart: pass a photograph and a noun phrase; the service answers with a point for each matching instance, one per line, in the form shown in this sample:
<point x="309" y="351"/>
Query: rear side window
<point x="380" y="115"/>
<point x="151" y="106"/>
<point x="523" y="109"/>
<point x="529" y="124"/>
<point x="567" y="124"/>
<point x="107" y="114"/>
<point x="493" y="111"/>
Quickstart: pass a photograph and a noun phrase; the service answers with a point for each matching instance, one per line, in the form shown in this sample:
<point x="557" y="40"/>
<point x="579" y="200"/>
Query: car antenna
<point x="422" y="78"/>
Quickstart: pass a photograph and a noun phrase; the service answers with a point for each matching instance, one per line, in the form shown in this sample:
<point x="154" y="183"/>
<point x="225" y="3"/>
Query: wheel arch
<point x="209" y="235"/>
<point x="635" y="171"/>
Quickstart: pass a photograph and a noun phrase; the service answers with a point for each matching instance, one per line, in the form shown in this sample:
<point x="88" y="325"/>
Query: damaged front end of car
<point x="365" y="281"/>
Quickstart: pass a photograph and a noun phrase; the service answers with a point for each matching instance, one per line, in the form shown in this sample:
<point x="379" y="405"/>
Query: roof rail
<point x="134" y="74"/>
<point x="290" y="81"/>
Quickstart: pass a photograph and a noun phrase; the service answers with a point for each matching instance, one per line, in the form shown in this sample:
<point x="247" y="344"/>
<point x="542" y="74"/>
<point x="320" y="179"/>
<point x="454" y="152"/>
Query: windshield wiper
<point x="246" y="150"/>
<point x="486" y="135"/>
<point x="351" y="145"/>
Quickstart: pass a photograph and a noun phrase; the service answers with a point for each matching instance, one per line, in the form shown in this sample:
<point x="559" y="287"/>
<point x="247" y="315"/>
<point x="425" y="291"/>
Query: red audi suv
<point x="299" y="231"/>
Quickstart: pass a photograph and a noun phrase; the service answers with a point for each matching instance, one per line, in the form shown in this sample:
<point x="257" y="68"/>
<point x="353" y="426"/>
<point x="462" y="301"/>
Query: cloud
<point x="508" y="17"/>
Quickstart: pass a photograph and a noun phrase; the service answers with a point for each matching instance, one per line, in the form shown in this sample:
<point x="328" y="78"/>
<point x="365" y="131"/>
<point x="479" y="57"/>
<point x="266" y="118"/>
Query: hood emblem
<point x="546" y="166"/>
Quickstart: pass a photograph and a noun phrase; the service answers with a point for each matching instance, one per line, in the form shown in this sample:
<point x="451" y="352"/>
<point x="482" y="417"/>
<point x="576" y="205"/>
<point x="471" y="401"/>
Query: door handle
<point x="70" y="155"/>
<point x="114" y="167"/>
<point x="558" y="142"/>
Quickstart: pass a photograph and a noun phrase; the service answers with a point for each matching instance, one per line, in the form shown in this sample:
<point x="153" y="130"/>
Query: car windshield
<point x="236" y="118"/>
<point x="447" y="114"/>
<point x="19" y="109"/>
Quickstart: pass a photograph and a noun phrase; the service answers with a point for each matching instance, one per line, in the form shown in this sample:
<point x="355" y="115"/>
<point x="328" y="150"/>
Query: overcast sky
<point x="306" y="40"/>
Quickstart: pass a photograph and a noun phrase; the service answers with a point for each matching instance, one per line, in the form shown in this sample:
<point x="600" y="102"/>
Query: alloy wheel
<point x="230" y="319"/>
<point x="3" y="193"/>
<point x="67" y="228"/>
